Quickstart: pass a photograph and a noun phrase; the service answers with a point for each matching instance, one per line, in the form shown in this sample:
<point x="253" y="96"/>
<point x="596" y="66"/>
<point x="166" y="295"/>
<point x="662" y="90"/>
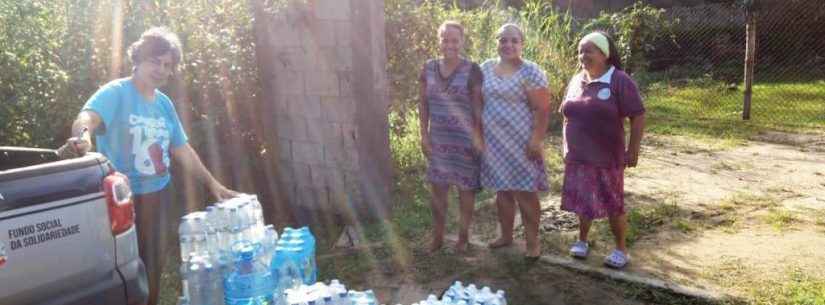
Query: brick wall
<point x="326" y="103"/>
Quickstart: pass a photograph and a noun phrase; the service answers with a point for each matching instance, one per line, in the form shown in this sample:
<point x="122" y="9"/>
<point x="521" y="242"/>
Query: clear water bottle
<point x="456" y="291"/>
<point x="251" y="283"/>
<point x="432" y="300"/>
<point x="268" y="244"/>
<point x="339" y="292"/>
<point x="183" y="301"/>
<point x="192" y="233"/>
<point x="471" y="293"/>
<point x="502" y="300"/>
<point x="235" y="227"/>
<point x="447" y="301"/>
<point x="204" y="282"/>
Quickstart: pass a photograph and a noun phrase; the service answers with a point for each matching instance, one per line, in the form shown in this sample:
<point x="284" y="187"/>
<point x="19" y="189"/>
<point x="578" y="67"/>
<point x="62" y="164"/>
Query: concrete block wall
<point x="326" y="94"/>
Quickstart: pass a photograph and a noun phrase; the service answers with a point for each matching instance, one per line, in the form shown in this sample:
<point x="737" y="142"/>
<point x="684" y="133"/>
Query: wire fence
<point x="699" y="70"/>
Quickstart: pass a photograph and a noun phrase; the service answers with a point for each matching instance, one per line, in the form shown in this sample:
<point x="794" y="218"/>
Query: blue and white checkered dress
<point x="508" y="124"/>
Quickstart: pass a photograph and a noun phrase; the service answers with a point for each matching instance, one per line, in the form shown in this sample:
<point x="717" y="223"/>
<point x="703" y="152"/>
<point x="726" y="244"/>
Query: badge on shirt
<point x="604" y="94"/>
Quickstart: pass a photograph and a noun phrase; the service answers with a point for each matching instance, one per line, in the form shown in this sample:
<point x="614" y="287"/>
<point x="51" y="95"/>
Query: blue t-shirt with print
<point x="137" y="134"/>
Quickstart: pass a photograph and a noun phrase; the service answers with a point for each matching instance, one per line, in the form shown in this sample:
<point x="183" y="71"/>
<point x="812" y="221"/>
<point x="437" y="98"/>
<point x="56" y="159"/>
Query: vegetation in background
<point x="635" y="29"/>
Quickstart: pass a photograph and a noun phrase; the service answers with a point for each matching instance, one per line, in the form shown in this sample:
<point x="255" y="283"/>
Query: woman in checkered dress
<point x="515" y="118"/>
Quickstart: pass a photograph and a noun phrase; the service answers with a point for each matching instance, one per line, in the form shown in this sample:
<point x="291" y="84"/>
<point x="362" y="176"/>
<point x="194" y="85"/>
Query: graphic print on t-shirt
<point x="150" y="139"/>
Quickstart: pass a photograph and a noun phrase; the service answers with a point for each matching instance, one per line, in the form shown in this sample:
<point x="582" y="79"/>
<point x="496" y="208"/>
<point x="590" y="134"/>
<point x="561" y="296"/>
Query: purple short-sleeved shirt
<point x="594" y="132"/>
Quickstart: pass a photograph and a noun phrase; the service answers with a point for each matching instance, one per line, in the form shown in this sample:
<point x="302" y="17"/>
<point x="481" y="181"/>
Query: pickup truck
<point x="67" y="233"/>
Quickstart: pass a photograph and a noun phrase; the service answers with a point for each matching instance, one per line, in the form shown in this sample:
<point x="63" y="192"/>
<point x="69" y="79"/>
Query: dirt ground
<point x="724" y="217"/>
<point x="727" y="217"/>
<point x="758" y="210"/>
<point x="525" y="283"/>
<point x="738" y="215"/>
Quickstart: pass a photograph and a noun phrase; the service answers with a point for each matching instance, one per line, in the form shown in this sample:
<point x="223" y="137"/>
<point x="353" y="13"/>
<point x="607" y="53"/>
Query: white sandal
<point x="617" y="259"/>
<point x="580" y="249"/>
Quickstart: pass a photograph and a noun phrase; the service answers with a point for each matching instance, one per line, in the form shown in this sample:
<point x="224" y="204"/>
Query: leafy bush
<point x="33" y="81"/>
<point x="634" y="29"/>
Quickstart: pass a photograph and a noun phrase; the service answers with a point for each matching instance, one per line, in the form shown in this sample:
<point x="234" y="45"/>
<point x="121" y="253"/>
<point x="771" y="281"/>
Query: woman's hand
<point x="221" y="192"/>
<point x="478" y="145"/>
<point x="76" y="146"/>
<point x="534" y="149"/>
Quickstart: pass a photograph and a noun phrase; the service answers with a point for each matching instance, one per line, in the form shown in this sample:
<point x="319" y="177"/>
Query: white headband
<point x="599" y="40"/>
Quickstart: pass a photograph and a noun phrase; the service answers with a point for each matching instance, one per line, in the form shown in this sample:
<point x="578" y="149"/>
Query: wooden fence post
<point x="750" y="57"/>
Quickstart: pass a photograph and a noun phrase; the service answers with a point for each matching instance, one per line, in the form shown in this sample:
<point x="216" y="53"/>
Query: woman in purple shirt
<point x="598" y="100"/>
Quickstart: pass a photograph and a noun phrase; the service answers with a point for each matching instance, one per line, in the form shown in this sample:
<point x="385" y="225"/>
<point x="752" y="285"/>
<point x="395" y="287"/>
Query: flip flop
<point x="617" y="259"/>
<point x="580" y="249"/>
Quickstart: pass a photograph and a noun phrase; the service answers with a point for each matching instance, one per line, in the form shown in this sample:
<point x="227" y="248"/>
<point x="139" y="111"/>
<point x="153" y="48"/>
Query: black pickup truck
<point x="67" y="233"/>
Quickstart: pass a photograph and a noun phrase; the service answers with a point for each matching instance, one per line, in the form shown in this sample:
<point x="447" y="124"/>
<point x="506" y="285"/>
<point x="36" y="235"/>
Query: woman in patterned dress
<point x="598" y="100"/>
<point x="450" y="114"/>
<point x="515" y="116"/>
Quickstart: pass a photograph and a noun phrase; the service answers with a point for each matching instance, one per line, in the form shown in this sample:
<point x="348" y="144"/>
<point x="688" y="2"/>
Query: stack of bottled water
<point x="317" y="294"/>
<point x="229" y="257"/>
<point x="366" y="297"/>
<point x="458" y="294"/>
<point x="214" y="242"/>
<point x="204" y="282"/>
<point x="293" y="261"/>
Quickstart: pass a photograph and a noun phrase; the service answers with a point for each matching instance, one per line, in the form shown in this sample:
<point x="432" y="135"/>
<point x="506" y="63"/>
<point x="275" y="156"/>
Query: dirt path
<point x="723" y="218"/>
<point x="758" y="211"/>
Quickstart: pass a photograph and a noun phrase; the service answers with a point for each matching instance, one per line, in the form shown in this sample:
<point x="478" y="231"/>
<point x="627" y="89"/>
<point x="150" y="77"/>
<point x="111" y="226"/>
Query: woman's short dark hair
<point x="155" y="42"/>
<point x="614" y="59"/>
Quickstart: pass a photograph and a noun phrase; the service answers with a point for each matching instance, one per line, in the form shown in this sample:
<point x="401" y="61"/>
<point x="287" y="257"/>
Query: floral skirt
<point x="593" y="192"/>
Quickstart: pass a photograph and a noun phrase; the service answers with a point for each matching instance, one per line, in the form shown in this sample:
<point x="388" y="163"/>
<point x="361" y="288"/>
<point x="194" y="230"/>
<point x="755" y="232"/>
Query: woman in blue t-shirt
<point x="137" y="129"/>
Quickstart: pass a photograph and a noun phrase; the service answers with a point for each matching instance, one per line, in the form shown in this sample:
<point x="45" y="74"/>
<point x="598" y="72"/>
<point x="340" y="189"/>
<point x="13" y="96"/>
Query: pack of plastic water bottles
<point x="229" y="257"/>
<point x="458" y="294"/>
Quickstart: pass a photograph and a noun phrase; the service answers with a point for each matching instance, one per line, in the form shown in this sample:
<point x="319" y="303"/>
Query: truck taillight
<point x="119" y="201"/>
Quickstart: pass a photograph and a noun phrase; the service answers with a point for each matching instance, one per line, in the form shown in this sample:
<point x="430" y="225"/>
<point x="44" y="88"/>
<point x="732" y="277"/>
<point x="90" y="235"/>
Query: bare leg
<point x="618" y="224"/>
<point x="584" y="227"/>
<point x="438" y="205"/>
<point x="528" y="203"/>
<point x="466" y="201"/>
<point x="505" y="205"/>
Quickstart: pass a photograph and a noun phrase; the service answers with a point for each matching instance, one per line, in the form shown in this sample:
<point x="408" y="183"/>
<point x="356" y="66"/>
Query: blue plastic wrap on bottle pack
<point x="309" y="240"/>
<point x="285" y="268"/>
<point x="250" y="283"/>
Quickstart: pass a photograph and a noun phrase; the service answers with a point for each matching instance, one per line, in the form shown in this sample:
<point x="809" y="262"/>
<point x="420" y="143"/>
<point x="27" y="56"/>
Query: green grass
<point x="780" y="219"/>
<point x="797" y="289"/>
<point x="707" y="108"/>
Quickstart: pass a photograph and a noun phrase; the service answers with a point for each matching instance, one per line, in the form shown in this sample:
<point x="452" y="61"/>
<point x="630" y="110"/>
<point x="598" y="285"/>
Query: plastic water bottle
<point x="251" y="283"/>
<point x="309" y="243"/>
<point x="339" y="292"/>
<point x="456" y="291"/>
<point x="192" y="233"/>
<point x="204" y="282"/>
<point x="303" y="260"/>
<point x="268" y="243"/>
<point x="286" y="272"/>
<point x="432" y="300"/>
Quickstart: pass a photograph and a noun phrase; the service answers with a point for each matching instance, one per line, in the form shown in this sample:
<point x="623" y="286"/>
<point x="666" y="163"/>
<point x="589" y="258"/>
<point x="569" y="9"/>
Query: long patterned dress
<point x="508" y="124"/>
<point x="453" y="161"/>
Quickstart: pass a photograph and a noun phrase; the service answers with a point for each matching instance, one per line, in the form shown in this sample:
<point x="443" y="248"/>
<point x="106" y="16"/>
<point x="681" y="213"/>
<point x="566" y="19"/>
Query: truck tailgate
<point x="55" y="233"/>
